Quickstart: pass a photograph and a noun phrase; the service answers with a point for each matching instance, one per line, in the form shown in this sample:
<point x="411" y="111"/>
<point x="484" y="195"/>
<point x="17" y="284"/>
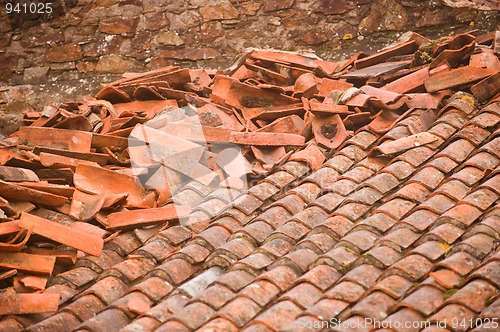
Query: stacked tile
<point x="377" y="198"/>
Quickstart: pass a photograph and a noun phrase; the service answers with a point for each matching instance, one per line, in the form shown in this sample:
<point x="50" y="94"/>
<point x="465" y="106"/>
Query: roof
<point x="392" y="217"/>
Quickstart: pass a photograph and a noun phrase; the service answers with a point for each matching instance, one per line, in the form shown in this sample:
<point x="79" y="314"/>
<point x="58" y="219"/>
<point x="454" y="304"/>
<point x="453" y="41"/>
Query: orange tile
<point x="63" y="234"/>
<point x="145" y="217"/>
<point x="18" y="304"/>
<point x="38" y="264"/>
<point x="267" y="139"/>
<point x="72" y="140"/>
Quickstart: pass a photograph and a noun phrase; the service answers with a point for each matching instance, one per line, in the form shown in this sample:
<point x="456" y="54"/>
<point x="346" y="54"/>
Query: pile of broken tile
<point x="77" y="175"/>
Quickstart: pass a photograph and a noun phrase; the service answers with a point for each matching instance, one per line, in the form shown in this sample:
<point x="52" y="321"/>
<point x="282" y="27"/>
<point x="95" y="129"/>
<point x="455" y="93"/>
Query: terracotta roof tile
<point x="112" y="318"/>
<point x="278" y="315"/>
<point x="219" y="324"/>
<point x="405" y="315"/>
<point x="425" y="300"/>
<point x="380" y="256"/>
<point x="326" y="308"/>
<point x="240" y="310"/>
<point x="172" y="326"/>
<point x="407" y="234"/>
<point x="460" y="262"/>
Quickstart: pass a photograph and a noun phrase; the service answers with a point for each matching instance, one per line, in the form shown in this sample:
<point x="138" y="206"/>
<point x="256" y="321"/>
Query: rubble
<point x="76" y="175"/>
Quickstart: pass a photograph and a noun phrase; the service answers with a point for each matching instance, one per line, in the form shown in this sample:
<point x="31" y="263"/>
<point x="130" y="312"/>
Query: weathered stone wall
<point x="113" y="36"/>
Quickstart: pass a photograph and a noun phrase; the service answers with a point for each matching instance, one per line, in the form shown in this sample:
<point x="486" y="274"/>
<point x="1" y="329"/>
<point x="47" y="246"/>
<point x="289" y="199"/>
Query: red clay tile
<point x="278" y="315"/>
<point x="400" y="317"/>
<point x="416" y="156"/>
<point x="321" y="276"/>
<point x="365" y="275"/>
<point x="477" y="245"/>
<point x="325" y="309"/>
<point x="281" y="276"/>
<point x="345" y="291"/>
<point x="85" y="307"/>
<point x="462" y="214"/>
<point x="194" y="315"/>
<point x="108" y="289"/>
<point x="376" y="306"/>
<point x="143" y="323"/>
<point x="413" y="191"/>
<point x="21" y="193"/>
<point x="27" y="262"/>
<point x="461" y="263"/>
<point x="90" y="179"/>
<point x="408" y="83"/>
<point x="65" y="235"/>
<point x="473" y="295"/>
<point x="216" y="296"/>
<point x="111" y="318"/>
<point x="456" y="77"/>
<point x="261" y="292"/>
<point x="130" y="269"/>
<point x="359" y="241"/>
<point x="277" y="247"/>
<point x="163" y="310"/>
<point x="218" y="325"/>
<point x="488" y="272"/>
<point x="453" y="313"/>
<point x="432" y="250"/>
<point x="411" y="267"/>
<point x="72" y="140"/>
<point x="60" y="322"/>
<point x="319" y="243"/>
<point x="404" y="48"/>
<point x="299" y="259"/>
<point x="236" y="280"/>
<point x="15" y="304"/>
<point x="65" y="292"/>
<point x="394" y="285"/>
<point x="256" y="261"/>
<point x="76" y="277"/>
<point x="446" y="278"/>
<point x="145" y="217"/>
<point x="425" y="300"/>
<point x="381" y="257"/>
<point x="457" y="150"/>
<point x="378" y="222"/>
<point x="175" y="271"/>
<point x="173" y="326"/>
<point x="240" y="311"/>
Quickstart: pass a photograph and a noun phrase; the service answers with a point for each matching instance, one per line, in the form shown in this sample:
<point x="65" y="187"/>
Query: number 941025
<point x="28" y="8"/>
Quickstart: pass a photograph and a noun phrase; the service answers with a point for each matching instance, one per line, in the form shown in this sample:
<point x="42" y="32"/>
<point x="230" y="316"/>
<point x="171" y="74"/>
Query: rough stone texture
<point x="218" y="10"/>
<point x="272" y="5"/>
<point x="118" y="25"/>
<point x="329" y="7"/>
<point x="64" y="53"/>
<point x="155" y="21"/>
<point x="170" y="38"/>
<point x="191" y="54"/>
<point x="384" y="15"/>
<point x="35" y="74"/>
<point x="114" y="64"/>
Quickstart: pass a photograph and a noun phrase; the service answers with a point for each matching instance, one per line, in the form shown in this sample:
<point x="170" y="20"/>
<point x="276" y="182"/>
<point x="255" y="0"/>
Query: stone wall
<point x="112" y="36"/>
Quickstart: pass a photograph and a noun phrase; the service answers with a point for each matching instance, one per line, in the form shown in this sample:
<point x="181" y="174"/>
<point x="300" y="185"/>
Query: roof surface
<point x="399" y="224"/>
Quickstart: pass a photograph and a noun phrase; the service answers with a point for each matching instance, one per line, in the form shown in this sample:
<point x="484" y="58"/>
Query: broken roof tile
<point x="381" y="224"/>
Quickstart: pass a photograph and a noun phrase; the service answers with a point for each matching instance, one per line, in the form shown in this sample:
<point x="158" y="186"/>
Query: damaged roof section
<point x="174" y="153"/>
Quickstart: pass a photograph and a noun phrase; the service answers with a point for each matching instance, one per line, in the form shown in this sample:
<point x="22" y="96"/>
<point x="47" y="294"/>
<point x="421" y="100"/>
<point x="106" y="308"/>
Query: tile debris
<point x="283" y="191"/>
